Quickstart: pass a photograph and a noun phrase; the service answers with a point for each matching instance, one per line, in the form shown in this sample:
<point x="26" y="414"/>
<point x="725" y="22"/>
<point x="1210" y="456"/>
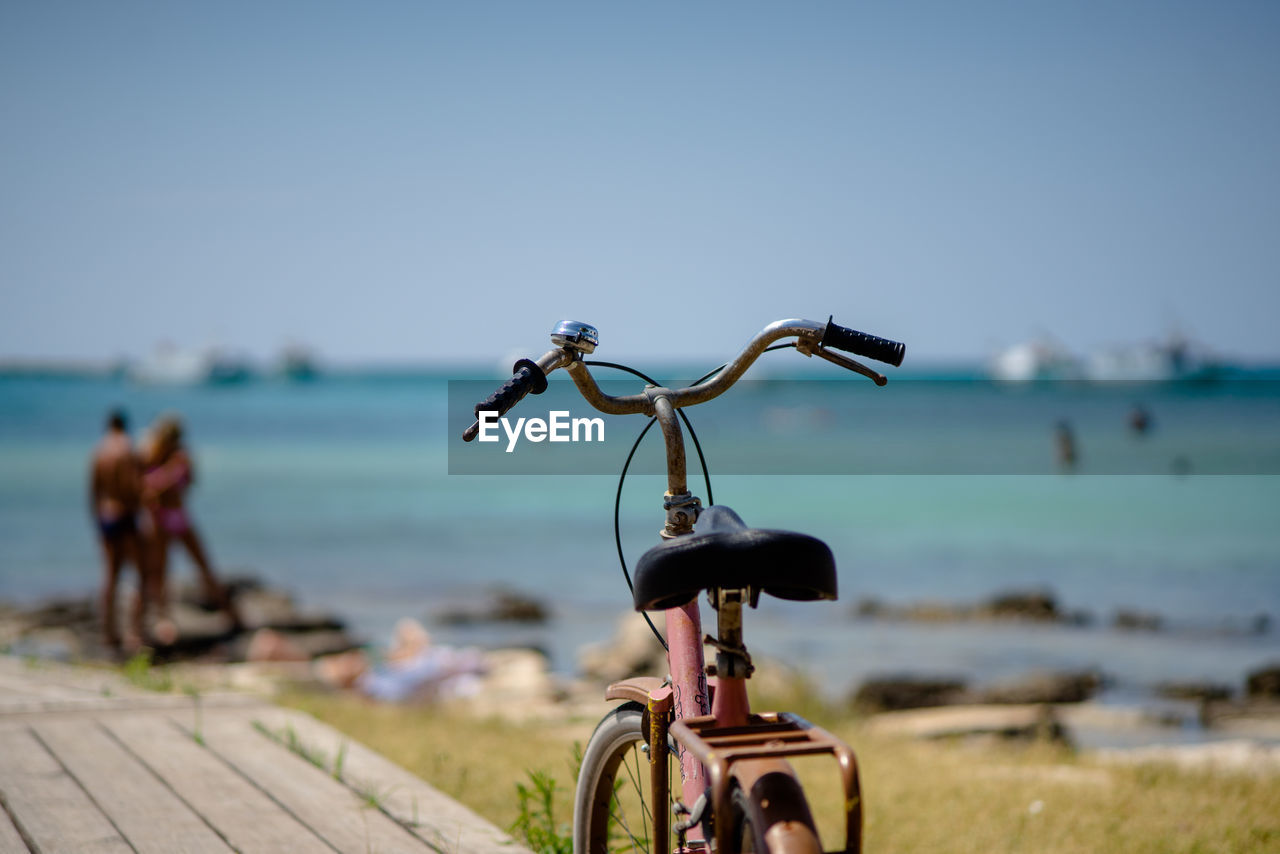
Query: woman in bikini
<point x="167" y="476"/>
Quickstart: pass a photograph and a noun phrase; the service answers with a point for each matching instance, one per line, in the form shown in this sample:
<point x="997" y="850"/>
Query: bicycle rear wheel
<point x="614" y="805"/>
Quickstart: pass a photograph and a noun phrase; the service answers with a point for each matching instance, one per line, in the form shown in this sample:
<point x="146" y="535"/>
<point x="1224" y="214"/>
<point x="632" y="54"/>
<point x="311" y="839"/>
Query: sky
<point x="418" y="181"/>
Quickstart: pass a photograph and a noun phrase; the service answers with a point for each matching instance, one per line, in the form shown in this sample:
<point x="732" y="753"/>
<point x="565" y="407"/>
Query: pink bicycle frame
<point x="689" y="684"/>
<point x="728" y="703"/>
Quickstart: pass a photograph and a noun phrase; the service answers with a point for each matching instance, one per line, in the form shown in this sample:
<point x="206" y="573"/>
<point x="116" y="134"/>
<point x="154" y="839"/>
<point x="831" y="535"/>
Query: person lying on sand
<point x="413" y="668"/>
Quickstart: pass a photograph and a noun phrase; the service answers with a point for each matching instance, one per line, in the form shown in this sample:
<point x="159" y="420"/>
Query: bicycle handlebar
<point x="862" y="344"/>
<point x="812" y="337"/>
<point x="527" y="377"/>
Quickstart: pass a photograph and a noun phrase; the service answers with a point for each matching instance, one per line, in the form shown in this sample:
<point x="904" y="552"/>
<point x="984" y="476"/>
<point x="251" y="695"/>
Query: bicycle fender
<point x="784" y="811"/>
<point x="637" y="689"/>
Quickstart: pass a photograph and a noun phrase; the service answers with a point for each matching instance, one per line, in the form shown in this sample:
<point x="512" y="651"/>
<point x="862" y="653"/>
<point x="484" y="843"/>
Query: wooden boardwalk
<point x="90" y="763"/>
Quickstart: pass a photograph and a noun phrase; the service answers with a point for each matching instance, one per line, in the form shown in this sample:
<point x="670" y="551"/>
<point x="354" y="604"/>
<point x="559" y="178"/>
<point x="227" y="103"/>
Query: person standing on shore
<point x="168" y="474"/>
<point x="1064" y="440"/>
<point x="115" y="493"/>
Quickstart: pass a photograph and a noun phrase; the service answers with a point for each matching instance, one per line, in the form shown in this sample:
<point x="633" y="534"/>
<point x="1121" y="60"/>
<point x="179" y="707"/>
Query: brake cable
<point x="706" y="473"/>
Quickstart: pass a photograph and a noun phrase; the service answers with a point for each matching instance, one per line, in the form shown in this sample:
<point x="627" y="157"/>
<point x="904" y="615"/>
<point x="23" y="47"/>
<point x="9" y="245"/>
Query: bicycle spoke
<point x="637" y="844"/>
<point x="644" y="806"/>
<point x="633" y="773"/>
<point x="635" y="840"/>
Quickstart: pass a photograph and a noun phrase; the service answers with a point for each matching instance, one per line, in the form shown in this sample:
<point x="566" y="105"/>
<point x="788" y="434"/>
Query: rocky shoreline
<point x="70" y="629"/>
<point x="1039" y="702"/>
<point x="281" y="642"/>
<point x="1042" y="606"/>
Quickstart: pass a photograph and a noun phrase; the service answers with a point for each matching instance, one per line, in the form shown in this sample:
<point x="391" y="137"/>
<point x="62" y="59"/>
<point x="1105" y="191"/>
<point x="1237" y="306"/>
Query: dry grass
<point x="920" y="796"/>
<point x="966" y="798"/>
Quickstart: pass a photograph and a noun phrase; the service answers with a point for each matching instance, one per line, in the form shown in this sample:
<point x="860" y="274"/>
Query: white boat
<point x="1041" y="359"/>
<point x="1174" y="359"/>
<point x="170" y="365"/>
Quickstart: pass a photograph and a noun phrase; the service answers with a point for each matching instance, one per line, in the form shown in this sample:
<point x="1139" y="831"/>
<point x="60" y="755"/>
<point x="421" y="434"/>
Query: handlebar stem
<point x="681" y="507"/>
<point x="673" y="437"/>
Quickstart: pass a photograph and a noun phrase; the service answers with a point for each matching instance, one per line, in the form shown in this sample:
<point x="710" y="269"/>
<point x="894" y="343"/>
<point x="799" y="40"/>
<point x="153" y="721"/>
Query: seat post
<point x="733" y="663"/>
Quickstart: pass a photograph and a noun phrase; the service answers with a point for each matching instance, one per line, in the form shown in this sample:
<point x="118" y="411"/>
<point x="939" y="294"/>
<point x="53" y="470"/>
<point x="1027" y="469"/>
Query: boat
<point x="297" y="364"/>
<point x="1172" y="359"/>
<point x="171" y="365"/>
<point x="1038" y="360"/>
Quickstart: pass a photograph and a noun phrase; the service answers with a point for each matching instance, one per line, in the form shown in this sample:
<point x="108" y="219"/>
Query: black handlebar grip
<point x="528" y="377"/>
<point x="862" y="344"/>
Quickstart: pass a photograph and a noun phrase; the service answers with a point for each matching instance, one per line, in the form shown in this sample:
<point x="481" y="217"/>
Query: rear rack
<point x="768" y="736"/>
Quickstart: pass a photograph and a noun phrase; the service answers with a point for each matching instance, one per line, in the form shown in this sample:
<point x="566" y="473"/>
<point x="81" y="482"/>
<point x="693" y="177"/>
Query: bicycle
<point x="737" y="792"/>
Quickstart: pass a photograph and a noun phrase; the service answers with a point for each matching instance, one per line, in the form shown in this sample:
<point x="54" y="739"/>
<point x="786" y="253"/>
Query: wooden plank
<point x="148" y="814"/>
<point x="15" y="684"/>
<point x="35" y="706"/>
<point x="333" y="811"/>
<point x="244" y="816"/>
<point x="52" y="809"/>
<point x="50" y="677"/>
<point x="434" y="817"/>
<point x="10" y="840"/>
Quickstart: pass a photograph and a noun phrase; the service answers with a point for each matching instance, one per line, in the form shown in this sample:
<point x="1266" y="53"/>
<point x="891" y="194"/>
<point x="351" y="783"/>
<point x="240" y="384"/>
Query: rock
<point x="270" y="645"/>
<point x="509" y="607"/>
<point x="1130" y="620"/>
<point x="915" y="612"/>
<point x="12" y="625"/>
<point x="936" y="612"/>
<point x="1263" y="683"/>
<point x="189" y="593"/>
<point x="195" y="623"/>
<point x="505" y="606"/>
<point x="1113" y="718"/>
<point x="62" y="613"/>
<point x="56" y="644"/>
<point x="302" y="646"/>
<point x="1253" y="718"/>
<point x="891" y="693"/>
<point x="1238" y="755"/>
<point x="259" y="607"/>
<point x="516" y="686"/>
<point x="515" y="675"/>
<point x="1203" y="692"/>
<point x="632" y="651"/>
<point x="1029" y="722"/>
<point x="69" y="627"/>
<point x="870" y="608"/>
<point x="1043" y="688"/>
<point x="1037" y="606"/>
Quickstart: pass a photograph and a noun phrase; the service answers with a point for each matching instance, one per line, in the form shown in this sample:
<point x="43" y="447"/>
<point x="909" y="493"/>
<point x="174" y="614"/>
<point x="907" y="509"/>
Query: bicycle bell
<point x="582" y="337"/>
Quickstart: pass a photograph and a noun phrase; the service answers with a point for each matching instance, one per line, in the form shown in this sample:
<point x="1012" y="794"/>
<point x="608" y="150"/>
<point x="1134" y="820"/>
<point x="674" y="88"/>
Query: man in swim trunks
<point x="115" y="492"/>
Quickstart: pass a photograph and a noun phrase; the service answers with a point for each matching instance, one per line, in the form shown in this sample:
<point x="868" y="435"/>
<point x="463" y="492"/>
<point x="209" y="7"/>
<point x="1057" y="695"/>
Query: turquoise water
<point x="339" y="490"/>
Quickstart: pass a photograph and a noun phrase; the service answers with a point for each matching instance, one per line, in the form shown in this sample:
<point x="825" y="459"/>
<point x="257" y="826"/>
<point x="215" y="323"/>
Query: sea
<point x="353" y="491"/>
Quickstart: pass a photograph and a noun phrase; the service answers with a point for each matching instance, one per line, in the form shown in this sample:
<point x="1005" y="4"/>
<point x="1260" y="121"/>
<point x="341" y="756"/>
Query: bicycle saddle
<point x="724" y="553"/>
